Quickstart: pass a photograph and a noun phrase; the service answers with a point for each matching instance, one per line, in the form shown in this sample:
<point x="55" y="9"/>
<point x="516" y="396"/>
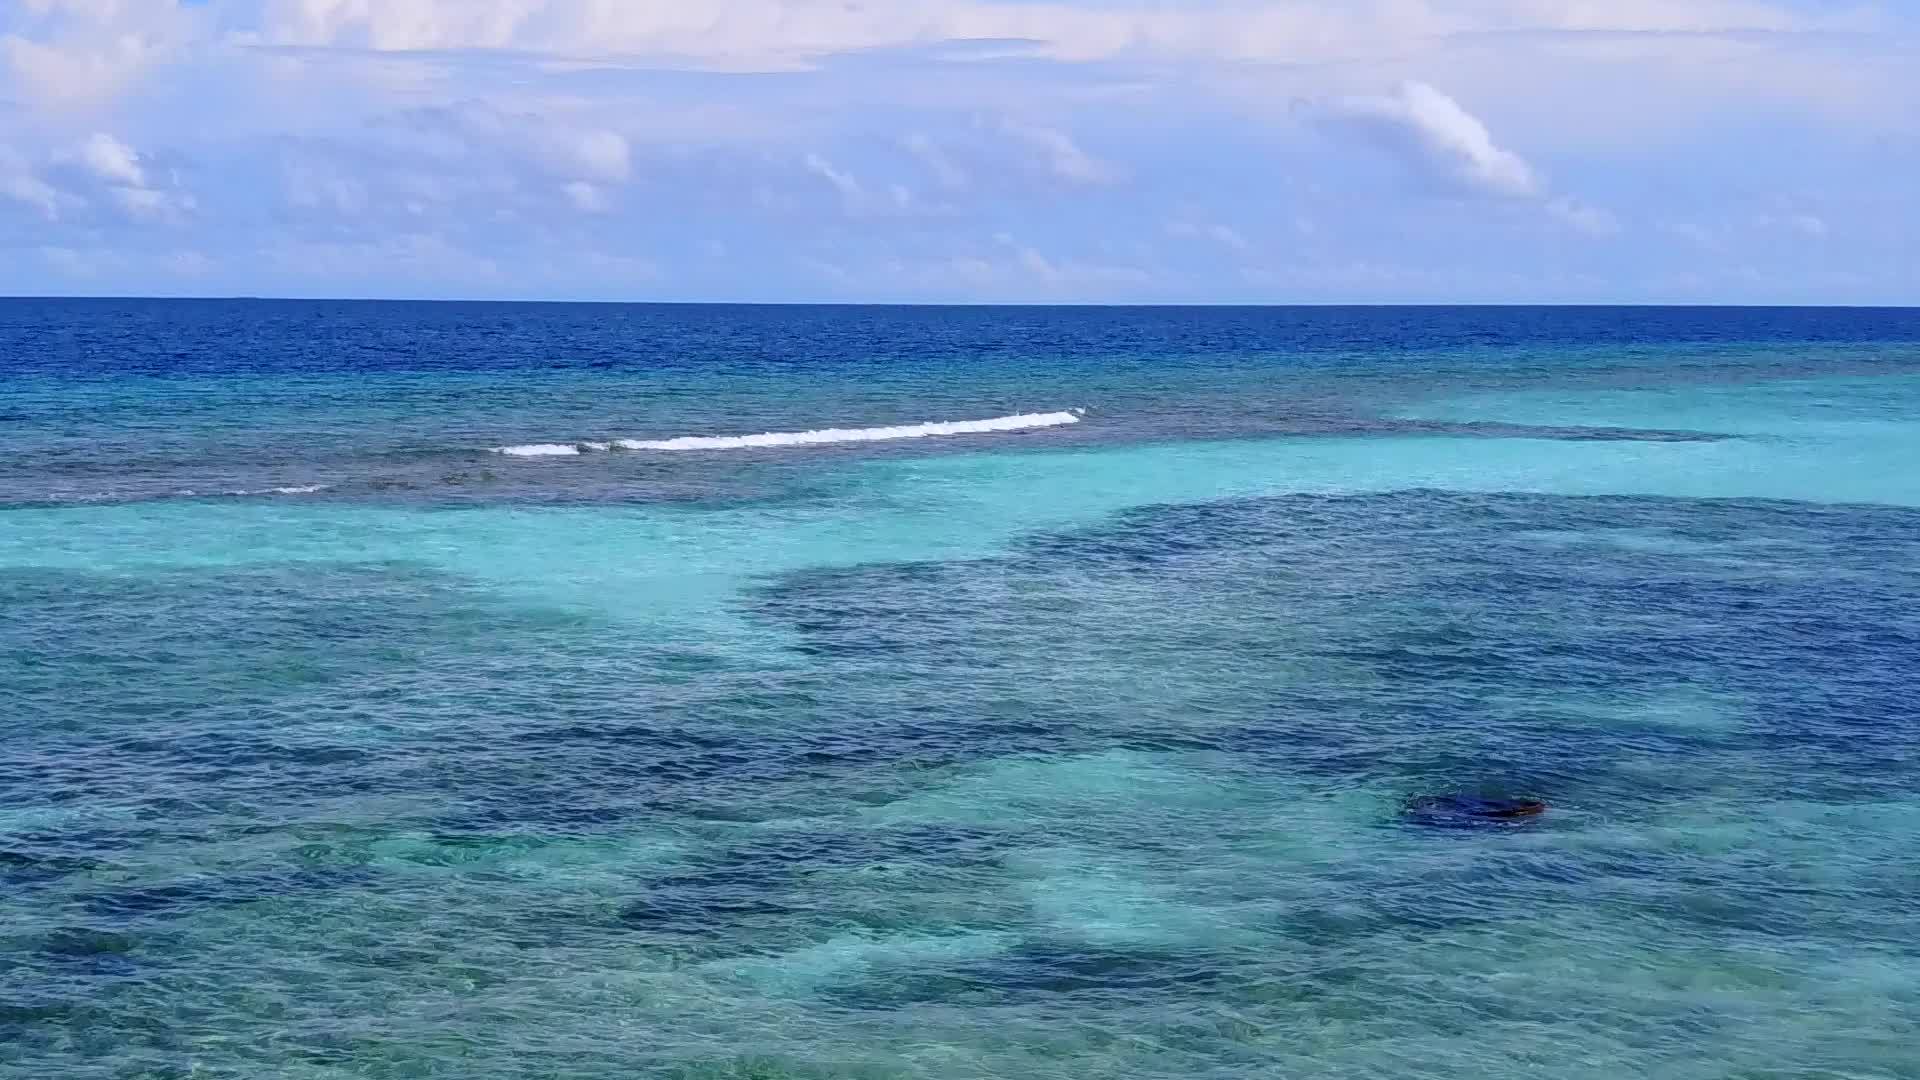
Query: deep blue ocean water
<point x="370" y="709"/>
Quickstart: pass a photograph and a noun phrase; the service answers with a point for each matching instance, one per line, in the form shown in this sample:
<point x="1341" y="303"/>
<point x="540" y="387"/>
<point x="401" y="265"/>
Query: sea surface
<point x="709" y="693"/>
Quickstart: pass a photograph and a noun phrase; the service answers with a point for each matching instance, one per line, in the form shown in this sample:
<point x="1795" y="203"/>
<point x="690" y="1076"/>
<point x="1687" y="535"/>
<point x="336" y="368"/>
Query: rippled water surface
<point x="339" y="743"/>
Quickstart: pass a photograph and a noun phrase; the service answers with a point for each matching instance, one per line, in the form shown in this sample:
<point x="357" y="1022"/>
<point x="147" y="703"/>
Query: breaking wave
<point x="1021" y="422"/>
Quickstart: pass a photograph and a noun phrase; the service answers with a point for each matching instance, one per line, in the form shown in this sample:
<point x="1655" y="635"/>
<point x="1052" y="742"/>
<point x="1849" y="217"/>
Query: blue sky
<point x="1747" y="151"/>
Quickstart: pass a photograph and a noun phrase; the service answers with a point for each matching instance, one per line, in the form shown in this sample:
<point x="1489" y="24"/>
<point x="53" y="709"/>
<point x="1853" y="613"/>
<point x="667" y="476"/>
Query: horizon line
<point x="984" y="304"/>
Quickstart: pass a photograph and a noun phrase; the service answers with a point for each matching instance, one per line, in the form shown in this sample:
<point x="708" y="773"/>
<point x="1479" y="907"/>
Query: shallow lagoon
<point x="1056" y="753"/>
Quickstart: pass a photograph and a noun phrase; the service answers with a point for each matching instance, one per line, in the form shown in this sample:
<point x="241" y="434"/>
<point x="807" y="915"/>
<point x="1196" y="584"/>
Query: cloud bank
<point x="961" y="149"/>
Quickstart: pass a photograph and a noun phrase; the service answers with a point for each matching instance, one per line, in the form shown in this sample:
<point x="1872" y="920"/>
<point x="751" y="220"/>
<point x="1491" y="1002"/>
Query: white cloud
<point x="33" y="191"/>
<point x="153" y="206"/>
<point x="80" y="53"/>
<point x="113" y="161"/>
<point x="142" y="202"/>
<point x="20" y="182"/>
<point x="91" y="51"/>
<point x="1061" y="155"/>
<point x="100" y="171"/>
<point x="489" y="122"/>
<point x="1224" y="235"/>
<point x="849" y="188"/>
<point x="1453" y="150"/>
<point x="602" y="156"/>
<point x="1438" y="138"/>
<point x="770" y="33"/>
<point x="124" y="180"/>
<point x="857" y="198"/>
<point x="1068" y="273"/>
<point x="586" y="198"/>
<point x="73" y="75"/>
<point x="948" y="174"/>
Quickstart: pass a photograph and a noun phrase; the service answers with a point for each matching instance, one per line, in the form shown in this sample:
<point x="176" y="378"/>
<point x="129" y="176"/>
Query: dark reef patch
<point x="1458" y="810"/>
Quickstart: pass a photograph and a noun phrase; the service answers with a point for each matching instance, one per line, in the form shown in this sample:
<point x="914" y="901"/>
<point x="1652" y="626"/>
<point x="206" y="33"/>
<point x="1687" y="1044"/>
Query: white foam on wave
<point x="1021" y="422"/>
<point x="301" y="489"/>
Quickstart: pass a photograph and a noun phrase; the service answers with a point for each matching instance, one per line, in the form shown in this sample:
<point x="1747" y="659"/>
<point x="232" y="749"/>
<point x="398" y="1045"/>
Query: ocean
<point x="588" y="691"/>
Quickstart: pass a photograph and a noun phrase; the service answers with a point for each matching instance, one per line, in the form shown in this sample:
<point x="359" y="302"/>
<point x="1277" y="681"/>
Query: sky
<point x="1070" y="151"/>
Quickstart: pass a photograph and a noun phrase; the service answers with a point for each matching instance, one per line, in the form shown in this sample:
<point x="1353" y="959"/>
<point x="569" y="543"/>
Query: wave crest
<point x="1020" y="422"/>
<point x="295" y="489"/>
<point x="539" y="450"/>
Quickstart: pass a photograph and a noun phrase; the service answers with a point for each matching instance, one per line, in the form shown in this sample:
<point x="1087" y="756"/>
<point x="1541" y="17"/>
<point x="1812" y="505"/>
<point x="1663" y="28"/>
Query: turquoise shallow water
<point x="340" y="745"/>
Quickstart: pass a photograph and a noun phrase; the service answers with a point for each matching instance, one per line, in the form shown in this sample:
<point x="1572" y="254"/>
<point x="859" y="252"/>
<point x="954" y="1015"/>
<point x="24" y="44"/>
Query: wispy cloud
<point x="1068" y="273"/>
<point x="1587" y="219"/>
<point x="1453" y="151"/>
<point x="842" y="182"/>
<point x="21" y="183"/>
<point x="1060" y="155"/>
<point x="1808" y="225"/>
<point x="597" y="155"/>
<point x="786" y="32"/>
<point x="113" y="161"/>
<point x="118" y="176"/>
<point x="936" y="161"/>
<point x="1437" y="138"/>
<point x="1224" y="235"/>
<point x="586" y="198"/>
